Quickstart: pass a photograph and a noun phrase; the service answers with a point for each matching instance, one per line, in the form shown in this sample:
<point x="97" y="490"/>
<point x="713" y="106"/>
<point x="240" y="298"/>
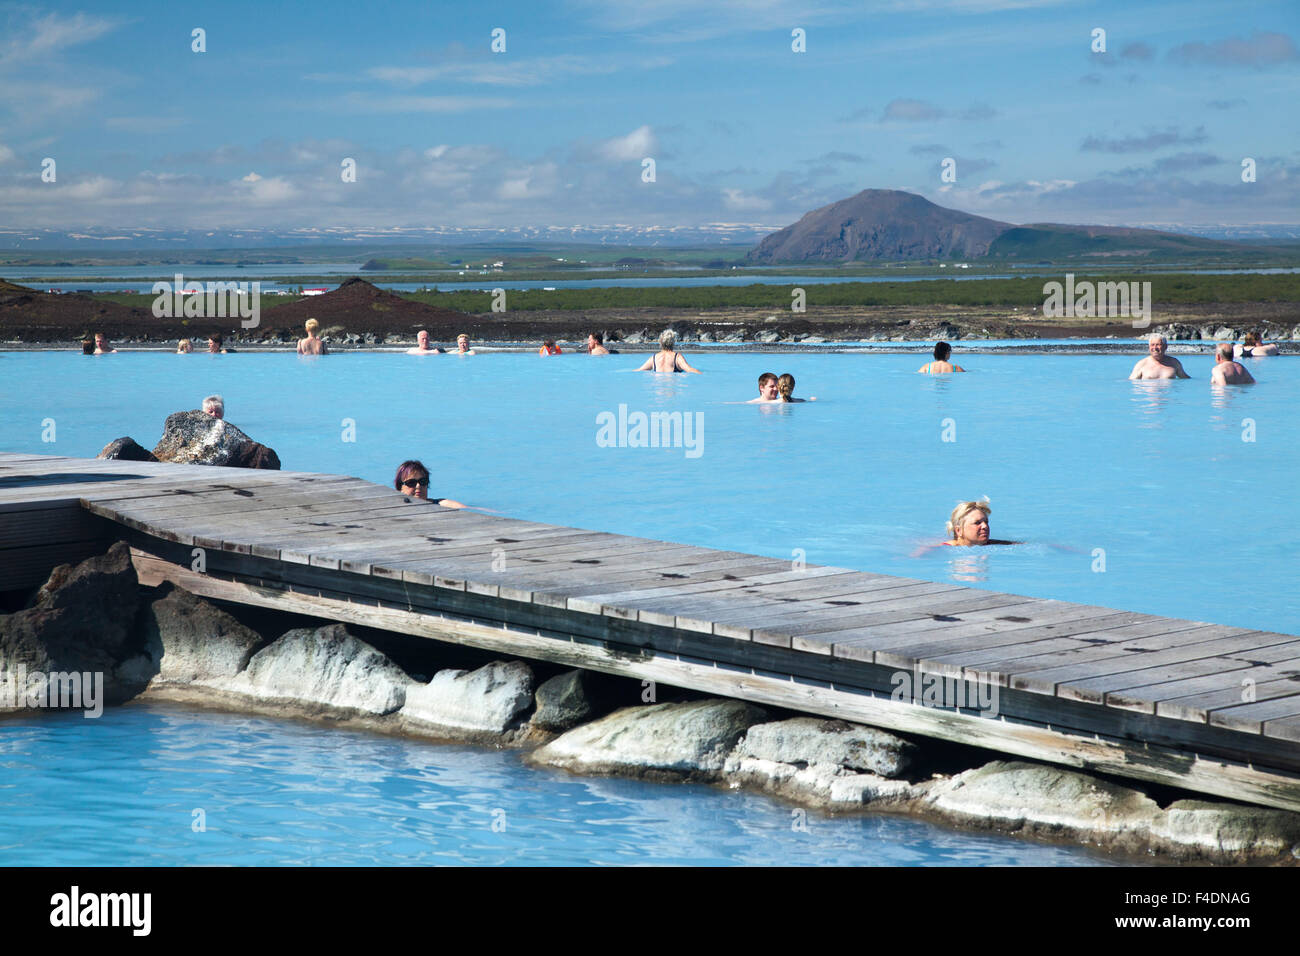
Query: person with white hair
<point x="1157" y="364"/>
<point x="668" y="359"/>
<point x="215" y="406"/>
<point x="969" y="525"/>
<point x="1228" y="371"/>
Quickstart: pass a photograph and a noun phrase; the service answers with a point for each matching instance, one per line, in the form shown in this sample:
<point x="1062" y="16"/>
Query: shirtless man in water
<point x="768" y="390"/>
<point x="1226" y="371"/>
<point x="423" y="347"/>
<point x="312" y="344"/>
<point x="1157" y="364"/>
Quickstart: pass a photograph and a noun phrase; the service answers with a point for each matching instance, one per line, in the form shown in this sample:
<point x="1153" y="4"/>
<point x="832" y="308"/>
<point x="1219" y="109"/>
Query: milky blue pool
<point x="1153" y="481"/>
<point x="152" y="785"/>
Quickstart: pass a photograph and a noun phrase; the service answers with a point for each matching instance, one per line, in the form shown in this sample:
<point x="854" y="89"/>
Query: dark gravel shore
<point x="358" y="314"/>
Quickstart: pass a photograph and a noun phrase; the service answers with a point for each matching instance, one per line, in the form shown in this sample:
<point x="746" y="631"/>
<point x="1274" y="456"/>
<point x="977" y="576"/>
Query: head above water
<point x="596" y="338"/>
<point x="785" y="385"/>
<point x="311" y="326"/>
<point x="942" y="350"/>
<point x="215" y="406"/>
<point x="184" y="345"/>
<point x="668" y="340"/>
<point x="1252" y="339"/>
<point x="87" y="346"/>
<point x="1224" y="351"/>
<point x="969" y="522"/>
<point x="412" y="478"/>
<point x="1156" y="344"/>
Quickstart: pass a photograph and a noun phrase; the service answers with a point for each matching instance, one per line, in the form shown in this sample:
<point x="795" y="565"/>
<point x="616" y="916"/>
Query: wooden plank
<point x="1197" y="707"/>
<point x="1283" y="728"/>
<point x="1250" y="717"/>
<point x="1067" y="668"/>
<point x="1197" y="681"/>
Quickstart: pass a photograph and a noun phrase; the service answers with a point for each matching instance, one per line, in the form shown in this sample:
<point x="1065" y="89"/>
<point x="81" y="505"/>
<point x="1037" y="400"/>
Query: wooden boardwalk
<point x="1203" y="706"/>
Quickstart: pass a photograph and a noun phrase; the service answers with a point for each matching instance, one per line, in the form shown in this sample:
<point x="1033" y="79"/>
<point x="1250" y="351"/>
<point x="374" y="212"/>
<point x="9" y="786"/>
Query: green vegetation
<point x="1168" y="289"/>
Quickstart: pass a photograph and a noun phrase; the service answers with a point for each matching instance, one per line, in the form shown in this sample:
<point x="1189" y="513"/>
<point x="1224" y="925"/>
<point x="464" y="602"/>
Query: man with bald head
<point x="1226" y="370"/>
<point x="1157" y="364"/>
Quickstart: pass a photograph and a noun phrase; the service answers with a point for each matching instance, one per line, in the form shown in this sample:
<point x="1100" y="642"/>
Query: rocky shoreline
<point x="168" y="644"/>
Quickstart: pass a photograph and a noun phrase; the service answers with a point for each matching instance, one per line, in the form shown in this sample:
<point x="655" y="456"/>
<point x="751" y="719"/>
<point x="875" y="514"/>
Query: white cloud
<point x="736" y="201"/>
<point x="633" y="147"/>
<point x="40" y="37"/>
<point x="251" y="178"/>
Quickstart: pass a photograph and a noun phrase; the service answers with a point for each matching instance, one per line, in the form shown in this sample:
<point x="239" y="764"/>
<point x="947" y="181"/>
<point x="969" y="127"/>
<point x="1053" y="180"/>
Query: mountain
<point x="891" y="225"/>
<point x="881" y="224"/>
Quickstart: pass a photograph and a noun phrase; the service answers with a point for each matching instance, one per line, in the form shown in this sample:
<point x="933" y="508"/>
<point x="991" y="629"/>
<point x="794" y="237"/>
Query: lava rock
<point x="564" y="701"/>
<point x="126" y="449"/>
<point x="491" y="699"/>
<point x="83" y="619"/>
<point x="196" y="438"/>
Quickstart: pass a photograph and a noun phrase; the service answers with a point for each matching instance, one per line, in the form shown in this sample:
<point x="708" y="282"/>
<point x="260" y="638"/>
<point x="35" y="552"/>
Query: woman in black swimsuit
<point x="668" y="359"/>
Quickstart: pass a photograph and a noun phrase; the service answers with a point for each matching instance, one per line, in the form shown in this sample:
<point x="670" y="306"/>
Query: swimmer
<point x="968" y="525"/>
<point x="785" y="385"/>
<point x="215" y="406"/>
<point x="768" y="390"/>
<point x="596" y="344"/>
<point x="940" y="365"/>
<point x="412" y="479"/>
<point x="1226" y="371"/>
<point x="1253" y="347"/>
<point x="184" y="347"/>
<point x="312" y="344"/>
<point x="87" y="346"/>
<point x="101" y="345"/>
<point x="422" y="345"/>
<point x="462" y="345"/>
<point x="214" y="345"/>
<point x="1157" y="364"/>
<point x="549" y="348"/>
<point x="668" y="359"/>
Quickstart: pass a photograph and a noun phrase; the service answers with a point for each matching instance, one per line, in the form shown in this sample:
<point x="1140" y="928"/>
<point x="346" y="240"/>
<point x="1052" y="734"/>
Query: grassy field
<point x="1174" y="289"/>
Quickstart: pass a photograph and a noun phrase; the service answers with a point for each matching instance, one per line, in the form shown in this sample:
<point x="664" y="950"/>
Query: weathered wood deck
<point x="1203" y="706"/>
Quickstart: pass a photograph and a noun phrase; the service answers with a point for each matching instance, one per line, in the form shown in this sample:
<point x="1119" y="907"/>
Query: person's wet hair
<point x="766" y="377"/>
<point x="942" y="350"/>
<point x="785" y="385"/>
<point x="87" y="346"/>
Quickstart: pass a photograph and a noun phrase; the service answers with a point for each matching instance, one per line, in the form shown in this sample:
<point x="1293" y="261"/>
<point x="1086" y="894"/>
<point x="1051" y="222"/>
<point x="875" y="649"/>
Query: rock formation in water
<point x="82" y="620"/>
<point x="196" y="438"/>
<point x="126" y="449"/>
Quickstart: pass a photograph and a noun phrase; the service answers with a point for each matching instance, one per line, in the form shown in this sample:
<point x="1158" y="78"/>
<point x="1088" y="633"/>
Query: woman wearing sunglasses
<point x="412" y="479"/>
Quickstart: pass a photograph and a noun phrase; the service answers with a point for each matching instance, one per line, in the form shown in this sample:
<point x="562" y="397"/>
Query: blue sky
<point x="553" y="132"/>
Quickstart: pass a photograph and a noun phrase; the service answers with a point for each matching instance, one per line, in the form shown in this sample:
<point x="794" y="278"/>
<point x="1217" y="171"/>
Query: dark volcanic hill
<point x="890" y="225"/>
<point x="880" y="224"/>
<point x="356" y="299"/>
<point x="28" y="315"/>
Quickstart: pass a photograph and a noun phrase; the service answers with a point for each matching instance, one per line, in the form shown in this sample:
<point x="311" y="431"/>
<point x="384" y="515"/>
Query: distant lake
<point x="131" y="278"/>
